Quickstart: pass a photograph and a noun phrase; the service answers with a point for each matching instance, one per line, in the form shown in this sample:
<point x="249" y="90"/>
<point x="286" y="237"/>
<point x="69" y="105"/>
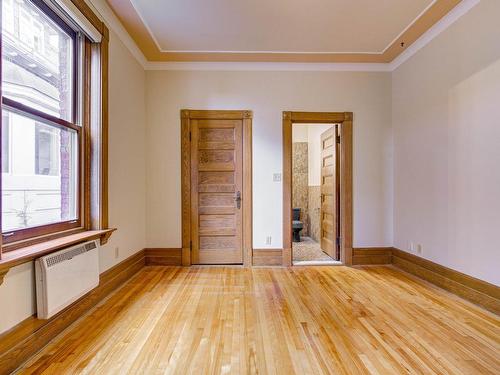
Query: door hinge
<point x="189" y="136"/>
<point x="338" y="241"/>
<point x="191" y="245"/>
<point x="338" y="139"/>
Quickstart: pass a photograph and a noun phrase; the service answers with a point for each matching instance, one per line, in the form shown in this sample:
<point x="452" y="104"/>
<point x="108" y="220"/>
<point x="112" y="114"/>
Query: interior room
<point x="250" y="187"/>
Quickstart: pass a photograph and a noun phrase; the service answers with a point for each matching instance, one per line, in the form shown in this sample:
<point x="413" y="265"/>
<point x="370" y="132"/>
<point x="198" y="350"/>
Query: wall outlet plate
<point x="276" y="177"/>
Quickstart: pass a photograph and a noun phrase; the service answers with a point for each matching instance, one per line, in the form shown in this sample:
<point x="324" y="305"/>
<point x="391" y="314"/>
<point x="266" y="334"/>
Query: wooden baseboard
<point x="474" y="290"/>
<point x="27" y="338"/>
<point x="163" y="257"/>
<point x="371" y="255"/>
<point x="267" y="257"/>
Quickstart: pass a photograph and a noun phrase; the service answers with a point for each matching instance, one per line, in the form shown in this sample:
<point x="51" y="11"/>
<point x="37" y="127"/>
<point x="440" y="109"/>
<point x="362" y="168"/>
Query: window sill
<point x="29" y="253"/>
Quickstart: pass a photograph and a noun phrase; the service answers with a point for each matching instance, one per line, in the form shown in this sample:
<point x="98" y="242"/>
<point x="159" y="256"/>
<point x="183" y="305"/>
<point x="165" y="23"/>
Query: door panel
<point x="216" y="179"/>
<point x="329" y="192"/>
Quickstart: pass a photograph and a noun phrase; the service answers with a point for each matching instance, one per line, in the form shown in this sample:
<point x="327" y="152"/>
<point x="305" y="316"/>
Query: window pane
<point x="42" y="184"/>
<point x="5" y="143"/>
<point x="37" y="59"/>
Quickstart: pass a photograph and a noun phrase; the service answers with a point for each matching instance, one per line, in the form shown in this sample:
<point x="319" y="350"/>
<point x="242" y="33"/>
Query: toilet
<point x="297" y="225"/>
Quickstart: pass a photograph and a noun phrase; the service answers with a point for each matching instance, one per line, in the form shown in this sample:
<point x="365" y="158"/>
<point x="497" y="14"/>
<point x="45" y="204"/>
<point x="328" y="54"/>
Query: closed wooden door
<point x="329" y="192"/>
<point x="216" y="191"/>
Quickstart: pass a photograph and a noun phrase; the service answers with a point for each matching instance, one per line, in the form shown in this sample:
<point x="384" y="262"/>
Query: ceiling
<point x="277" y="30"/>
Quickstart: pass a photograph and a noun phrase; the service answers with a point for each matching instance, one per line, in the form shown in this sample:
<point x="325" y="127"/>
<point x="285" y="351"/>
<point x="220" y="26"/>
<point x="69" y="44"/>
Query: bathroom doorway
<point x="315" y="194"/>
<point x="333" y="244"/>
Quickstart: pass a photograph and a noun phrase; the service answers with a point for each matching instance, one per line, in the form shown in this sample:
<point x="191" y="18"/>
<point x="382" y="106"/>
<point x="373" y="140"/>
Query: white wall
<point x="127" y="187"/>
<point x="268" y="94"/>
<point x="446" y="119"/>
<point x="300" y="132"/>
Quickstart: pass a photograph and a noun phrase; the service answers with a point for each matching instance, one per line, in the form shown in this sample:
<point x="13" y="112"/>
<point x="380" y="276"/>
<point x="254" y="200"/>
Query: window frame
<point x="88" y="58"/>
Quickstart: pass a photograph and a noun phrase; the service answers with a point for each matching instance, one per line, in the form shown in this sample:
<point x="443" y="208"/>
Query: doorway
<point x="315" y="194"/>
<point x="216" y="187"/>
<point x="322" y="227"/>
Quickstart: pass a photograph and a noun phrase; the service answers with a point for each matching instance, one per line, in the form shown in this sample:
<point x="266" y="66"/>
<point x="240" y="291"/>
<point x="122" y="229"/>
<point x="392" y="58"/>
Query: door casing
<point x="246" y="204"/>
<point x="344" y="120"/>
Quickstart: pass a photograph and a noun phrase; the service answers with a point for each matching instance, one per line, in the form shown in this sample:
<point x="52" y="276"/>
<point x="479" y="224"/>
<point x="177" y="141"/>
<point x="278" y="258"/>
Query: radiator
<point x="65" y="276"/>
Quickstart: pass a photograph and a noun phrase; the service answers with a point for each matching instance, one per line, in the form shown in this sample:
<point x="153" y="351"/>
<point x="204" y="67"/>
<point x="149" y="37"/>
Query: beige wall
<point x="446" y="119"/>
<point x="127" y="187"/>
<point x="268" y="94"/>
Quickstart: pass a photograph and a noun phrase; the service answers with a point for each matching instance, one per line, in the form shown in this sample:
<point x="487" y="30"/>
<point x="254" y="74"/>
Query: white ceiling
<point x="334" y="26"/>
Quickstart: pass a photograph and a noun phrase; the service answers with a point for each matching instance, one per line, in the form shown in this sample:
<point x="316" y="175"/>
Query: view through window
<point x="40" y="137"/>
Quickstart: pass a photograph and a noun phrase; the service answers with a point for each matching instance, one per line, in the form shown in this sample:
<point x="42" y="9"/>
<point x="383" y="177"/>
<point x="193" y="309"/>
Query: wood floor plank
<point x="307" y="320"/>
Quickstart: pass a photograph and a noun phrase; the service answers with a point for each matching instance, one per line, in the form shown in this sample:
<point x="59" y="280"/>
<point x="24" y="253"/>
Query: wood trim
<point x="186" y="116"/>
<point x="247" y="189"/>
<point x="217" y="114"/>
<point x="27" y="111"/>
<point x="371" y="255"/>
<point x="104" y="56"/>
<point x="346" y="198"/>
<point x="267" y="257"/>
<point x="186" y="187"/>
<point x="28" y="337"/>
<point x="287" y="189"/>
<point x="474" y="290"/>
<point x="87" y="134"/>
<point x="134" y="25"/>
<point x="317" y="117"/>
<point x="163" y="257"/>
<point x="29" y="253"/>
<point x="20" y="236"/>
<point x="344" y="119"/>
<point x="89" y="14"/>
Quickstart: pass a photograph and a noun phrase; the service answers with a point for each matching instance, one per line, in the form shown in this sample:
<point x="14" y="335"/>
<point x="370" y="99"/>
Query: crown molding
<point x="111" y="20"/>
<point x="457" y="12"/>
<point x="269" y="66"/>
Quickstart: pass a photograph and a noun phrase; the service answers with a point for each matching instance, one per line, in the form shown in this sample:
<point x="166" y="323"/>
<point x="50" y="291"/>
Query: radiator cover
<point x="65" y="276"/>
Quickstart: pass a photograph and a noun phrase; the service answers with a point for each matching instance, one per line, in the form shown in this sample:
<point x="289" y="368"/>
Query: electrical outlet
<point x="420" y="249"/>
<point x="268" y="240"/>
<point x="117" y="252"/>
<point x="276" y="177"/>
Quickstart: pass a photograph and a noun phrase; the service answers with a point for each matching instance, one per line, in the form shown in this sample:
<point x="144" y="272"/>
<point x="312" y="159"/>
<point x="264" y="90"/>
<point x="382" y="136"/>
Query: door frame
<point x="186" y="116"/>
<point x="344" y="119"/>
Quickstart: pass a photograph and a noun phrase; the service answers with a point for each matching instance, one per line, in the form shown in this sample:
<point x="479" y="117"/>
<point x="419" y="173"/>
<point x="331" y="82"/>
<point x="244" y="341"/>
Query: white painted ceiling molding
<point x="102" y="8"/>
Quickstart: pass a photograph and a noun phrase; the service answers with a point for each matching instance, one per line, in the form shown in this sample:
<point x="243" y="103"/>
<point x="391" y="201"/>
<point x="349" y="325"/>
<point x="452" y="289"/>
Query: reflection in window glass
<point x="47" y="150"/>
<point x="37" y="59"/>
<point x="41" y="187"/>
<point x="5" y="143"/>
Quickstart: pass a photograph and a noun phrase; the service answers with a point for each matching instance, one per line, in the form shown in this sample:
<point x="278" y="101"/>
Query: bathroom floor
<point x="309" y="250"/>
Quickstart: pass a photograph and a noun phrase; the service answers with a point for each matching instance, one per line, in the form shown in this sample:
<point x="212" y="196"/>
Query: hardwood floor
<point x="303" y="320"/>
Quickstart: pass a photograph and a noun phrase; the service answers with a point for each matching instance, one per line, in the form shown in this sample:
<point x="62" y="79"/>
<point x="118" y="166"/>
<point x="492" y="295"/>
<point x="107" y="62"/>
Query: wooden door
<point x="328" y="218"/>
<point x="216" y="191"/>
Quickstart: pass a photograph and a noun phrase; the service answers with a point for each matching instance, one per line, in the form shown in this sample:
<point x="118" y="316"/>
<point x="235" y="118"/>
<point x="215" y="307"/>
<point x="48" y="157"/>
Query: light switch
<point x="277" y="177"/>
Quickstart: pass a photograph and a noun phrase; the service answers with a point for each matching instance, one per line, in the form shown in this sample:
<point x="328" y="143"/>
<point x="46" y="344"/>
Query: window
<point x="51" y="110"/>
<point x="39" y="69"/>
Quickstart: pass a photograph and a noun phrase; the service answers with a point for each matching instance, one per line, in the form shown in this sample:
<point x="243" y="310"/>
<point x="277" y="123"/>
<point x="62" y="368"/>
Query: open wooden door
<point x="216" y="191"/>
<point x="328" y="218"/>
